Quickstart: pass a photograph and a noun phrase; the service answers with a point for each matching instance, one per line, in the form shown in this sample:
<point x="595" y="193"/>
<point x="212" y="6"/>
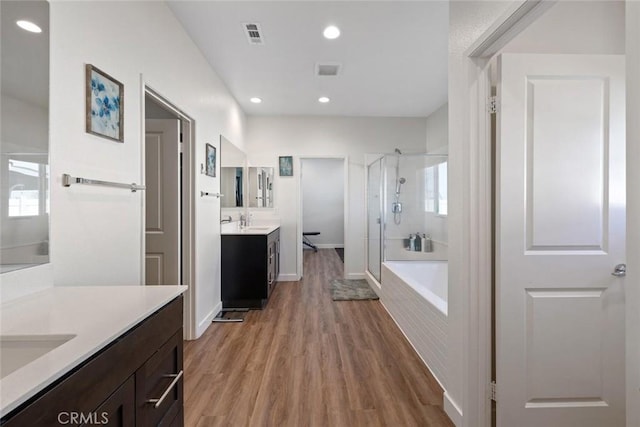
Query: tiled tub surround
<point x="92" y="315"/>
<point x="415" y="295"/>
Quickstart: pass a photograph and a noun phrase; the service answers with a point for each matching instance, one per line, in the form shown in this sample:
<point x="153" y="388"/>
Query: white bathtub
<point x="415" y="295"/>
<point x="428" y="278"/>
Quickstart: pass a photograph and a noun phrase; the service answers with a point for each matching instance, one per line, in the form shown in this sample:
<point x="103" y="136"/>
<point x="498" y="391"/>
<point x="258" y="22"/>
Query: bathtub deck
<point x="308" y="360"/>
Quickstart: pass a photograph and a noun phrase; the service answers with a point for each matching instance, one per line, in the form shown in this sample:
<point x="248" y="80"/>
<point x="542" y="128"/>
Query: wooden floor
<point x="309" y="361"/>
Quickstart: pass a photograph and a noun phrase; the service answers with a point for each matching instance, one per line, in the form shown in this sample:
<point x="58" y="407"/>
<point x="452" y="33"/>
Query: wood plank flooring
<point x="309" y="361"/>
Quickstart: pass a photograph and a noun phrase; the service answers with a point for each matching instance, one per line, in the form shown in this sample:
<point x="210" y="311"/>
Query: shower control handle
<point x="396" y="207"/>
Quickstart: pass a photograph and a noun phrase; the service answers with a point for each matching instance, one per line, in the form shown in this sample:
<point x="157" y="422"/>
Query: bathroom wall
<point x="587" y="27"/>
<point x="323" y="201"/>
<point x="270" y="137"/>
<point x="97" y="232"/>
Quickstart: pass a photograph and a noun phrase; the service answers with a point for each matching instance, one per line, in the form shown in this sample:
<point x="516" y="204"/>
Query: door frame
<point x="187" y="218"/>
<point x="477" y="270"/>
<point x="345" y="213"/>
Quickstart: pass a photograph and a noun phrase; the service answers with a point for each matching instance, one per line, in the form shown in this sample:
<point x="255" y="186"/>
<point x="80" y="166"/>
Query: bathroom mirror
<point x="231" y="185"/>
<point x="232" y="168"/>
<point x="24" y="137"/>
<point x="260" y="187"/>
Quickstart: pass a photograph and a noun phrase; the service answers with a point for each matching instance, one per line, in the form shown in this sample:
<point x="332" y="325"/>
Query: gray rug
<point x="346" y="290"/>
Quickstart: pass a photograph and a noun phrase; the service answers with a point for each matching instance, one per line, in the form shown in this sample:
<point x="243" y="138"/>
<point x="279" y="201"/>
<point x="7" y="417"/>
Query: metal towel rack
<point x="67" y="180"/>
<point x="204" y="193"/>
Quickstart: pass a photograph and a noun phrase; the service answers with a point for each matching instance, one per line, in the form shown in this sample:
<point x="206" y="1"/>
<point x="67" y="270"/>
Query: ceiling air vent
<point x="253" y="32"/>
<point x="327" y="69"/>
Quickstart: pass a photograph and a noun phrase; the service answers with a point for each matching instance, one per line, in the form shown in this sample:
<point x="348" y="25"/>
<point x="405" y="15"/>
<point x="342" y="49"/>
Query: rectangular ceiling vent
<point x="253" y="32"/>
<point x="327" y="69"/>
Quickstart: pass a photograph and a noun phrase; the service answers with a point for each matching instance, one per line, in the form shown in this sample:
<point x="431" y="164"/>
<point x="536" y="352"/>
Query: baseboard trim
<point x="329" y="245"/>
<point x="206" y="322"/>
<point x="355" y="276"/>
<point x="452" y="410"/>
<point x="288" y="278"/>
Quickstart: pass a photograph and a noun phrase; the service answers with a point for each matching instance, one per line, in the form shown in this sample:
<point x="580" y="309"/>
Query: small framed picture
<point x="104" y="105"/>
<point x="286" y="166"/>
<point x="210" y="169"/>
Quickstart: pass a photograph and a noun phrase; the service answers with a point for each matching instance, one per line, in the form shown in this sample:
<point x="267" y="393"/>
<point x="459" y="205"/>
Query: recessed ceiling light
<point x="29" y="26"/>
<point x="256" y="100"/>
<point x="323" y="99"/>
<point x="331" y="32"/>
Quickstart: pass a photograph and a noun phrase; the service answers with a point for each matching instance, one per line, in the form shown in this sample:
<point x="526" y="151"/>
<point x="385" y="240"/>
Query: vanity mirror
<point x="24" y="139"/>
<point x="260" y="187"/>
<point x="232" y="167"/>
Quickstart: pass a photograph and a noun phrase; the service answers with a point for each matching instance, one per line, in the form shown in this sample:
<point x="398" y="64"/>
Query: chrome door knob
<point x="620" y="270"/>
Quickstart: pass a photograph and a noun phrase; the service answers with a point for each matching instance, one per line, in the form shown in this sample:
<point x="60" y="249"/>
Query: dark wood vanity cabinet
<point x="135" y="381"/>
<point x="250" y="268"/>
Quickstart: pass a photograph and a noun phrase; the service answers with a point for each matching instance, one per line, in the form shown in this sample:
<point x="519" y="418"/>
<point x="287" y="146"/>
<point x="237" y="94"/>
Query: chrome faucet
<point x="227" y="219"/>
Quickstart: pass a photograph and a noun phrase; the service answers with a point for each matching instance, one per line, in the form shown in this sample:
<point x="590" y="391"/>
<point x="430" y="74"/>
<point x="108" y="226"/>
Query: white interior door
<point x="162" y="174"/>
<point x="560" y="225"/>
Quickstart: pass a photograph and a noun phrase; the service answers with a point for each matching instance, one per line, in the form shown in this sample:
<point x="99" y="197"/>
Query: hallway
<point x="306" y="360"/>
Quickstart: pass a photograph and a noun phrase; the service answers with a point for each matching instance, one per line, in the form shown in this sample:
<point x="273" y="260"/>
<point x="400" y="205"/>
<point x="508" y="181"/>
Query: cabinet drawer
<point x="119" y="409"/>
<point x="159" y="385"/>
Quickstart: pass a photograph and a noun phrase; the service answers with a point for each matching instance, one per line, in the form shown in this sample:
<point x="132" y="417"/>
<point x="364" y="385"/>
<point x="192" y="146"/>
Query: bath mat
<point x="346" y="290"/>
<point x="340" y="252"/>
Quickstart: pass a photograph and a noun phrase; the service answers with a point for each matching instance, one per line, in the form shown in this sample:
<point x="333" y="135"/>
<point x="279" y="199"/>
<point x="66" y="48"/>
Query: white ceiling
<point x="393" y="54"/>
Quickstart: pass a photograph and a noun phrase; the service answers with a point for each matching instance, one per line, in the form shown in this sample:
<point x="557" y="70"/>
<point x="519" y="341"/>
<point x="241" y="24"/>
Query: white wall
<point x="97" y="232"/>
<point x="270" y="137"/>
<point x="438" y="131"/>
<point x="588" y="27"/>
<point x="323" y="201"/>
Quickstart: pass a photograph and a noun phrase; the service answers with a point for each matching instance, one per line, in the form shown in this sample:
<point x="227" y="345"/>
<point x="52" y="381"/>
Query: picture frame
<point x="210" y="160"/>
<point x="104" y="105"/>
<point x="286" y="165"/>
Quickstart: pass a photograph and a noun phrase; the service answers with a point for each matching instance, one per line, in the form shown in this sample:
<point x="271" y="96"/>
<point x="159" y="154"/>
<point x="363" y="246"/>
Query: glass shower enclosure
<point x="406" y="209"/>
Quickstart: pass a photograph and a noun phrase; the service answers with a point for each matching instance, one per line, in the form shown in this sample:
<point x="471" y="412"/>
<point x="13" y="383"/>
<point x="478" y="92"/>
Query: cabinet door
<point x="159" y="386"/>
<point x="119" y="409"/>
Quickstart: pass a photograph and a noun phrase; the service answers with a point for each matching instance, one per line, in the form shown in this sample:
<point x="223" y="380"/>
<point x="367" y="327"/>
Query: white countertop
<point x="234" y="228"/>
<point x="96" y="315"/>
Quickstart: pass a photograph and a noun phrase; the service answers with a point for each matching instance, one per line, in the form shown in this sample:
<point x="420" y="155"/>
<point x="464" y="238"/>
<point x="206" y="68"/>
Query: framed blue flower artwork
<point x="105" y="105"/>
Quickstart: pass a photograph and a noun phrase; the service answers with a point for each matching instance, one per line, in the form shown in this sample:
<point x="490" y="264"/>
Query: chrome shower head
<point x="397" y="151"/>
<point x="402" y="180"/>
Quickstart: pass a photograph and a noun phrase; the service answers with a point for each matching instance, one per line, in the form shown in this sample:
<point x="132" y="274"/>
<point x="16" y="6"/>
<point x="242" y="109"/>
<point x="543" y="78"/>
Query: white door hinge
<point x="493" y="105"/>
<point x="492" y="391"/>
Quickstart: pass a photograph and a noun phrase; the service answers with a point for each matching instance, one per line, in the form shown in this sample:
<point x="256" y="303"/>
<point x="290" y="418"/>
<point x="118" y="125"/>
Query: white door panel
<point x="162" y="177"/>
<point x="560" y="225"/>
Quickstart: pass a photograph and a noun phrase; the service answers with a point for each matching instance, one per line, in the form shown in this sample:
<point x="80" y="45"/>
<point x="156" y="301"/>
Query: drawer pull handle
<point x="176" y="378"/>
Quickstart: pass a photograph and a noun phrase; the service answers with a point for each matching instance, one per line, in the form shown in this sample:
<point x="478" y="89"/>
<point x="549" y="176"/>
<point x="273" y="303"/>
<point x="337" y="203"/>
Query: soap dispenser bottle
<point x="418" y="247"/>
<point x="412" y="242"/>
<point x="428" y="244"/>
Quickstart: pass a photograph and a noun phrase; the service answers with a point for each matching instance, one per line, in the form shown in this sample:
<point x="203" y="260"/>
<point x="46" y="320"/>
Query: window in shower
<point x="435" y="200"/>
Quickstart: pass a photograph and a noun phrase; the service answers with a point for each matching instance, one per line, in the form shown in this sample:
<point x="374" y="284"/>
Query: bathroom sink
<point x="258" y="228"/>
<point x="17" y="351"/>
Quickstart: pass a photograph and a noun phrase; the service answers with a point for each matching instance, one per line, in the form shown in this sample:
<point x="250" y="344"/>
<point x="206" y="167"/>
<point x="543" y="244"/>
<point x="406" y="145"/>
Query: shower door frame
<point x="381" y="200"/>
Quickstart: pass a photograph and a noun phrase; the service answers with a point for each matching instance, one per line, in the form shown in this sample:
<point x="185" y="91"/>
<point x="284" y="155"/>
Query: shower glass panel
<point x="374" y="218"/>
<point x="415" y="206"/>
